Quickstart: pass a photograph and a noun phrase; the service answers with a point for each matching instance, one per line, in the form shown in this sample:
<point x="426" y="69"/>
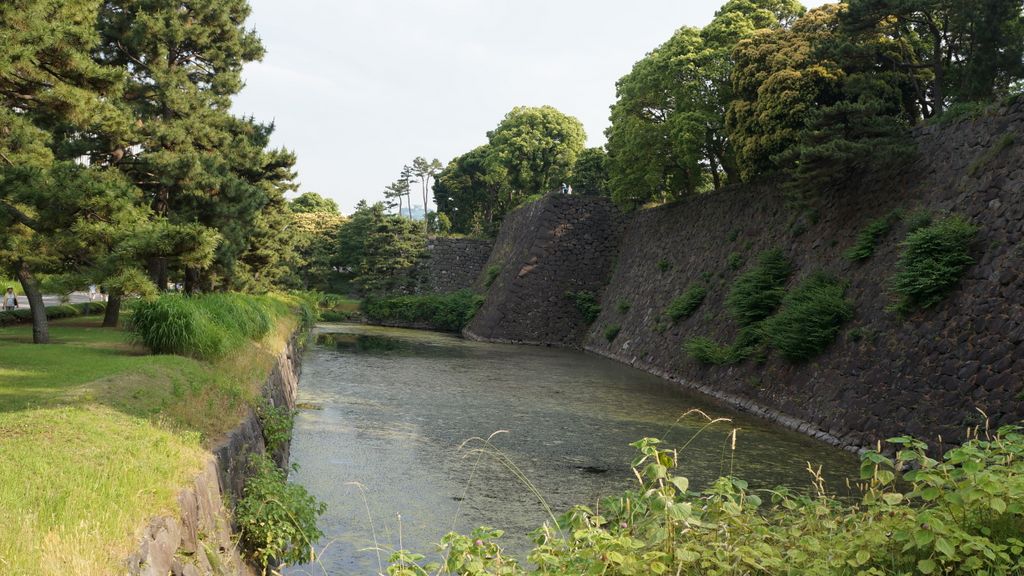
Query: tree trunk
<point x="157" y="269"/>
<point x="939" y="69"/>
<point x="40" y="327"/>
<point x="191" y="280"/>
<point x="113" y="312"/>
<point x="426" y="212"/>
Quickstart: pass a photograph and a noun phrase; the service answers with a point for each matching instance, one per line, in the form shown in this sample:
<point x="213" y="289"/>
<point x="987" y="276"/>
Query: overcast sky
<point x="357" y="88"/>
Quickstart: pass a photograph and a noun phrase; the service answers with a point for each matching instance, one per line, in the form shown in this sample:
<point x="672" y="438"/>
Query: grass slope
<point x="97" y="436"/>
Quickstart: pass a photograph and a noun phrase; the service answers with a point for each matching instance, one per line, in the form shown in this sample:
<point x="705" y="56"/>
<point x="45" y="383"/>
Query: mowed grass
<point x="97" y="436"/>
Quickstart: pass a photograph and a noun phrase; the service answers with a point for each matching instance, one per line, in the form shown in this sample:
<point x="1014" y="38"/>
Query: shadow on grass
<point x="88" y="365"/>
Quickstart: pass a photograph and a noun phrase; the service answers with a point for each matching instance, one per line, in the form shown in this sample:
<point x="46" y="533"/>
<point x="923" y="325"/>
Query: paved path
<point x="54" y="299"/>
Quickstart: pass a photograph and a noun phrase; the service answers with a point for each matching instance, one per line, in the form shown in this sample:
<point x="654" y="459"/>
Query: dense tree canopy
<point x="590" y="174"/>
<point x="117" y="152"/>
<point x="538" y="147"/>
<point x="308" y="202"/>
<point x="376" y="251"/>
<point x="474" y="191"/>
<point x="532" y="151"/>
<point x="767" y="91"/>
<point x="667" y="136"/>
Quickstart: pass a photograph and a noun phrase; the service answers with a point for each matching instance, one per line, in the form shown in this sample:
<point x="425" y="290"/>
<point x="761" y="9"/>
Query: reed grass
<point x="205" y="327"/>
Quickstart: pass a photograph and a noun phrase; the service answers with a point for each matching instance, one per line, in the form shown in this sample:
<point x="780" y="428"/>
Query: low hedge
<point x="24" y="315"/>
<point x="449" y="312"/>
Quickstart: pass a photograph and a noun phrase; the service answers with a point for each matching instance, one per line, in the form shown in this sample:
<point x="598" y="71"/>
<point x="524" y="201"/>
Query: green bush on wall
<point x="757" y="292"/>
<point x="932" y="261"/>
<point x="586" y="303"/>
<point x="810" y="318"/>
<point x="277" y="518"/>
<point x="870" y="236"/>
<point x="491" y="275"/>
<point x="707" y="351"/>
<point x="686" y="303"/>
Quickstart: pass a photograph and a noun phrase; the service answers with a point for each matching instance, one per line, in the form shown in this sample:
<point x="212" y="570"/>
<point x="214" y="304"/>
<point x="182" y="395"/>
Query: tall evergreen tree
<point x="53" y="97"/>
<point x="184" y="62"/>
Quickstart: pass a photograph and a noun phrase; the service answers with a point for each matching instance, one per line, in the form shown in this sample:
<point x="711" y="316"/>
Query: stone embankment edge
<point x="199" y="541"/>
<point x="739" y="403"/>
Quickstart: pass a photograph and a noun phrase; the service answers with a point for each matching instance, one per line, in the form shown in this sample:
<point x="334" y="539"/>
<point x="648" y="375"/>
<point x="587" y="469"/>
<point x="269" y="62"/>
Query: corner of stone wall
<point x="544" y="250"/>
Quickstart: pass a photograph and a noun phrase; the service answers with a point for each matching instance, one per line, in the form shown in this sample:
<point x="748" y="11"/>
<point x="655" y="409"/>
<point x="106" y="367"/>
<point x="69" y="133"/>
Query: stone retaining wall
<point x="198" y="542"/>
<point x="545" y="249"/>
<point x="454" y="264"/>
<point x="925" y="375"/>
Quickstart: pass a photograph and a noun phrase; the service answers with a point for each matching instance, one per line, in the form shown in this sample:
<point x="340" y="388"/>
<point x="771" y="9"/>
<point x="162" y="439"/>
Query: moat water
<point x="384" y="412"/>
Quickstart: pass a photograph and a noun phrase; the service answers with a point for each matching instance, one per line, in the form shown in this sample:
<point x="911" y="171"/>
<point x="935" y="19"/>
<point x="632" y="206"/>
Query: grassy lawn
<point x="97" y="436"/>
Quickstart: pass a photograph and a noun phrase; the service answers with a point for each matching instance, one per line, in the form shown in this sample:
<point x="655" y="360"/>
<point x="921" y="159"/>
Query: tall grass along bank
<point x="206" y="327"/>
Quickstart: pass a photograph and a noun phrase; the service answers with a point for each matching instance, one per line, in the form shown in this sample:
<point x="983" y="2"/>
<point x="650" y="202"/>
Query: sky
<point x="358" y="88"/>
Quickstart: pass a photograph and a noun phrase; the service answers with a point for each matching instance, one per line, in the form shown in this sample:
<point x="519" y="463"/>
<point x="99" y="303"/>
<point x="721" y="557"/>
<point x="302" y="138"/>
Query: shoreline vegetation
<point x="99" y="435"/>
<point x="962" y="514"/>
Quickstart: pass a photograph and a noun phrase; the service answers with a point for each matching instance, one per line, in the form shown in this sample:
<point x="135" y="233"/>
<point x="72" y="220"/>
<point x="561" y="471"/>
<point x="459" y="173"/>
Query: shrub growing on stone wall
<point x="919" y="219"/>
<point x="686" y="303"/>
<point x="491" y="275"/>
<point x="611" y="332"/>
<point x="868" y="238"/>
<point x="931" y="263"/>
<point x="757" y="292"/>
<point x="277" y="518"/>
<point x="277" y="423"/>
<point x="586" y="304"/>
<point x="707" y="351"/>
<point x="810" y="317"/>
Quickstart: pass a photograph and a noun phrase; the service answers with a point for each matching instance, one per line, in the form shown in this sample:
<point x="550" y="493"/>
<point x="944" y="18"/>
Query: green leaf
<point x="943" y="545"/>
<point x="892" y="498"/>
<point x="680" y="482"/>
<point x="926" y="566"/>
<point x="923" y="538"/>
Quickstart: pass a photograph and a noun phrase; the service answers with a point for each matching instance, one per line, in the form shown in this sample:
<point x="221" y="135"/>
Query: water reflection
<point x="395" y="406"/>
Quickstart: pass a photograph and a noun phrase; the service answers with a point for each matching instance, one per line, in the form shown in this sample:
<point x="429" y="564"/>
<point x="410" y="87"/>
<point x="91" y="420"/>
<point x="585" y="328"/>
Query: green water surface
<point x="385" y="412"/>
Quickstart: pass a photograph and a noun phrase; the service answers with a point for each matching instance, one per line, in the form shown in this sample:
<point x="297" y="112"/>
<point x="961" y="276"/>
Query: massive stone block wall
<point x="925" y="374"/>
<point x="453" y="264"/>
<point x="545" y="249"/>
